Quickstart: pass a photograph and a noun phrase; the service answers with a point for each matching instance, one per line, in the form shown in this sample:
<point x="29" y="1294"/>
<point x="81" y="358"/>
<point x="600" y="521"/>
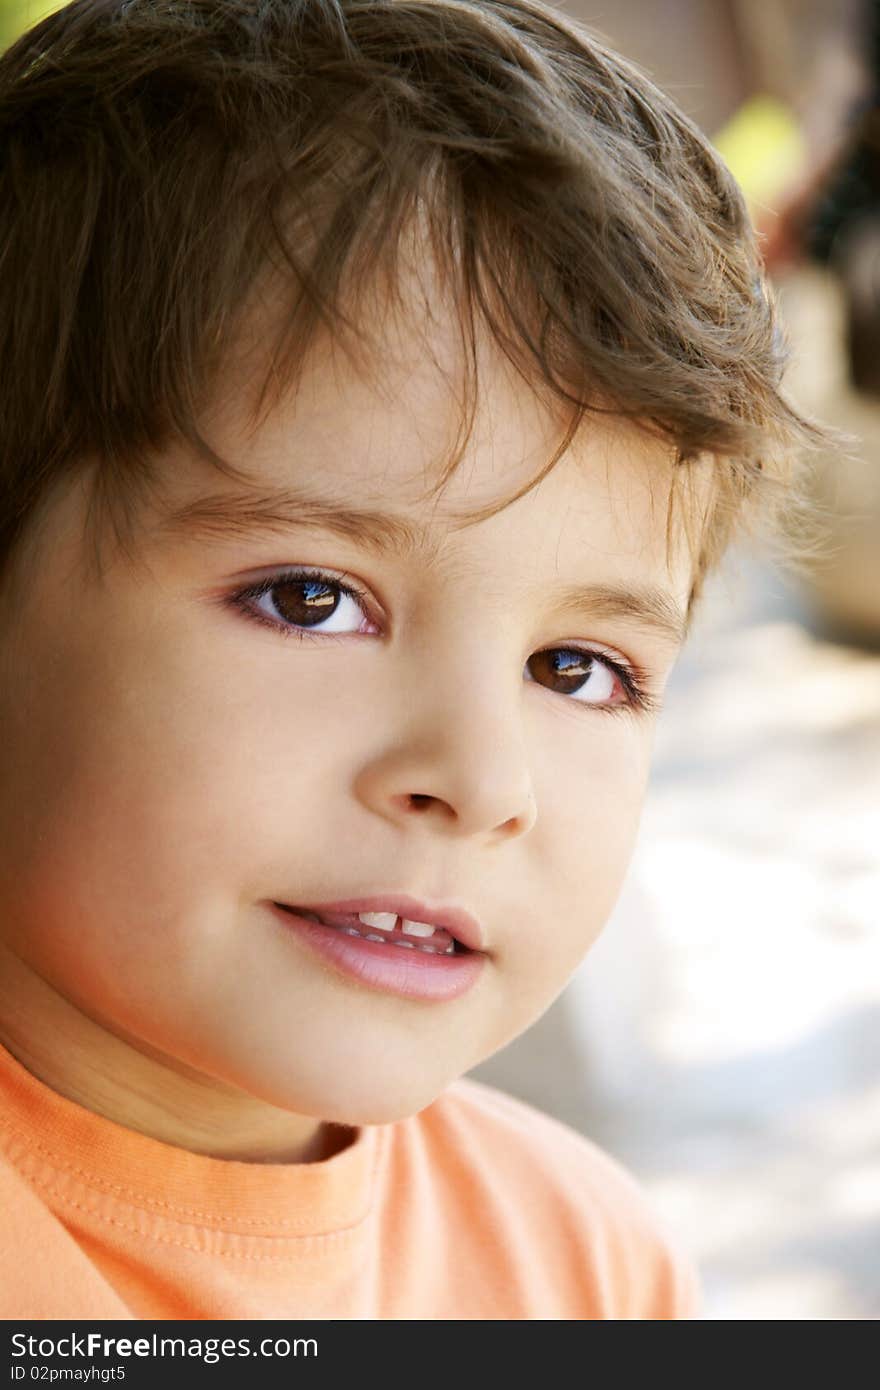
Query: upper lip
<point x="456" y="920"/>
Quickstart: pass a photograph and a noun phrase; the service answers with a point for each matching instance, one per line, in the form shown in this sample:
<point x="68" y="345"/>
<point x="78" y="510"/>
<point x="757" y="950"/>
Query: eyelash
<point x="639" y="699"/>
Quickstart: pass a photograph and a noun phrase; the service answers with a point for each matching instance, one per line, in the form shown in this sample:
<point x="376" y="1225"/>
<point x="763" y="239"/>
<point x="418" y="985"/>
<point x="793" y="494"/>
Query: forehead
<point x="358" y="458"/>
<point x="404" y="433"/>
<point x="359" y="446"/>
<point x="391" y="414"/>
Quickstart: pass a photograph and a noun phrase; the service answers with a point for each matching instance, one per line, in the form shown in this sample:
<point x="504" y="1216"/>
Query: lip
<point x="457" y="920"/>
<point x="412" y="974"/>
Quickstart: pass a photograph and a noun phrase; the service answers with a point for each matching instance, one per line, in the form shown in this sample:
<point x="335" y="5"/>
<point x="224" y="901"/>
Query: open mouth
<point x="417" y="936"/>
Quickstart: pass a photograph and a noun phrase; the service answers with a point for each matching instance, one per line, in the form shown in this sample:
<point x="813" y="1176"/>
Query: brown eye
<point x="571" y="672"/>
<point x="304" y="602"/>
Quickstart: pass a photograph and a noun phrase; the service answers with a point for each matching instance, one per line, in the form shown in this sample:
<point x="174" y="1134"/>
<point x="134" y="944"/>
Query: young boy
<point x="382" y="378"/>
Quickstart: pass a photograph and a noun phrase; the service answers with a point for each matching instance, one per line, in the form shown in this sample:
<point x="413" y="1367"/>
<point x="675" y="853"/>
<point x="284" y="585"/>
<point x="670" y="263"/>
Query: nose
<point x="456" y="758"/>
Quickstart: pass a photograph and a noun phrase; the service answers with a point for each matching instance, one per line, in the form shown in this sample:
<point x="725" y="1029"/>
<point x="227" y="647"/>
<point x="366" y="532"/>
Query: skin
<point x="172" y="765"/>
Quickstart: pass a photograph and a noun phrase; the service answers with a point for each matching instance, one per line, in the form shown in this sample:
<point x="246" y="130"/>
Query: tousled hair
<point x="163" y="160"/>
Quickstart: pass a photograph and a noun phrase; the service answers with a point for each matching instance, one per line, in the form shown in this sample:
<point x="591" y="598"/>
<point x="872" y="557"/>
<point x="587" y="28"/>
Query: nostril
<point x="419" y="799"/>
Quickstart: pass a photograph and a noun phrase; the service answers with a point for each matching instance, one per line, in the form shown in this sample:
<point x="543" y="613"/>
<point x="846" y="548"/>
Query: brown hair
<point x="157" y="157"/>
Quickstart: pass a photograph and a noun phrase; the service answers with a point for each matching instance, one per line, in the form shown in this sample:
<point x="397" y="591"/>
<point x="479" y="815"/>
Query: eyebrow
<point x="242" y="515"/>
<point x="389" y="535"/>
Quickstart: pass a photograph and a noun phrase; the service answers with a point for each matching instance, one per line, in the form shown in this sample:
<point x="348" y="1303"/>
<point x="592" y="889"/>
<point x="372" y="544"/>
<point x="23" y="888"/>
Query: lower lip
<point x="414" y="974"/>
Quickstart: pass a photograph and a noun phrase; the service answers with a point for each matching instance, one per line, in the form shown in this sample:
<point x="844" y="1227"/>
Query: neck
<point x="136" y="1085"/>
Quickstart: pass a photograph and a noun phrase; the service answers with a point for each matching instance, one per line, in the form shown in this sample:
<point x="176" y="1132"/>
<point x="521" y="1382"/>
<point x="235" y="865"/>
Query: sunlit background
<point x="723" y="1037"/>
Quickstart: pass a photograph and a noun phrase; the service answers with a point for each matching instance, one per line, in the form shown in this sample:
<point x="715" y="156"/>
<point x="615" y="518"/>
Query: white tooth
<point x="384" y="921"/>
<point x="383" y="939"/>
<point x="418" y="928"/>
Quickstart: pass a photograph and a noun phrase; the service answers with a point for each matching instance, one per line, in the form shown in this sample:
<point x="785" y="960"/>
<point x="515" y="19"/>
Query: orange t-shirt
<point x="478" y="1207"/>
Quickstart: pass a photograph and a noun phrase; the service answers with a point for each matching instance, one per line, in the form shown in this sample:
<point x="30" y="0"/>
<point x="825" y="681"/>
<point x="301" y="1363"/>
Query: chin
<point x="368" y="1101"/>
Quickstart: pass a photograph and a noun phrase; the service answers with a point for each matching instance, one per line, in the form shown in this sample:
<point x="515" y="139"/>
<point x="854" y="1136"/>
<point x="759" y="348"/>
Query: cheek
<point x="154" y="767"/>
<point x="584" y="838"/>
<point x="131" y="783"/>
<point x="578" y="861"/>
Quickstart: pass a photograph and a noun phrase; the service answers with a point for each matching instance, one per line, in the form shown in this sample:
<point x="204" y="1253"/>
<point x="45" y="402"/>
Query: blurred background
<point x="722" y="1039"/>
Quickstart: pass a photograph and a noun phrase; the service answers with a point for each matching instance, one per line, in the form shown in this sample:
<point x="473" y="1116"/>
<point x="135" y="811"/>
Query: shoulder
<point x="528" y="1144"/>
<point x="567" y="1194"/>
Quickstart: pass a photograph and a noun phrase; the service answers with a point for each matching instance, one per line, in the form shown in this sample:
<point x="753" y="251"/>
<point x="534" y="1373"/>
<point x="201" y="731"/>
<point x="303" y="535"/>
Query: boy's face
<point x="172" y="766"/>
